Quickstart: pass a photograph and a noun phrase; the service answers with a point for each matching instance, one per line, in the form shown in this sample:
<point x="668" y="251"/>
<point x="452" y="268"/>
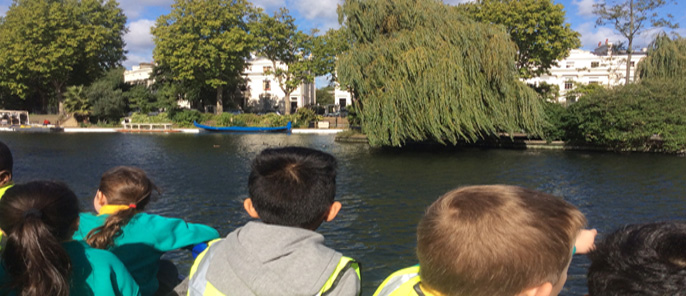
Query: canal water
<point x="384" y="193"/>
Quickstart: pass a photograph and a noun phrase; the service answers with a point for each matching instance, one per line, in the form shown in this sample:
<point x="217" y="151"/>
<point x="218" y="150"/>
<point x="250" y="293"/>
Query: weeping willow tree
<point x="422" y="71"/>
<point x="666" y="59"/>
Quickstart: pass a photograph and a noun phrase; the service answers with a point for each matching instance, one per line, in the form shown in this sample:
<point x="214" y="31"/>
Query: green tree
<point x="140" y="98"/>
<point x="280" y="41"/>
<point x="631" y="18"/>
<point x="49" y="44"/>
<point x="666" y="58"/>
<point x="537" y="27"/>
<point x="423" y="71"/>
<point x="77" y="103"/>
<point x="106" y="95"/>
<point x="325" y="96"/>
<point x="325" y="51"/>
<point x="205" y="43"/>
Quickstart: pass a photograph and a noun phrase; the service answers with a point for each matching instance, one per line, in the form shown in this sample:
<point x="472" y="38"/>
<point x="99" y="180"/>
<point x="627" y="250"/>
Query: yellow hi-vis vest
<point x="205" y="288"/>
<point x="404" y="282"/>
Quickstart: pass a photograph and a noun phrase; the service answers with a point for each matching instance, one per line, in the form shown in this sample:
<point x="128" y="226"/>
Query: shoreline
<point x="176" y="130"/>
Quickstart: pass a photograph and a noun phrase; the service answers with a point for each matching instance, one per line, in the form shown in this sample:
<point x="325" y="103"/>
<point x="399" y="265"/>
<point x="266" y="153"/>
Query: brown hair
<point x="495" y="240"/>
<point x="38" y="217"/>
<point x="121" y="186"/>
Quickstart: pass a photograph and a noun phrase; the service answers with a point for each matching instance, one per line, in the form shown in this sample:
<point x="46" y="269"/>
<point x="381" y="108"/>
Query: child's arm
<point x="584" y="241"/>
<point x="175" y="233"/>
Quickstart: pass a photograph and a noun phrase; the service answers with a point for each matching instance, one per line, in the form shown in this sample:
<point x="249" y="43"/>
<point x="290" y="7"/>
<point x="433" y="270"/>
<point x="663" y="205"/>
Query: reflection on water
<point x="384" y="193"/>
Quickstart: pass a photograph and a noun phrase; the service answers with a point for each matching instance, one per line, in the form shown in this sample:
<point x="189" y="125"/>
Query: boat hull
<point x="245" y="129"/>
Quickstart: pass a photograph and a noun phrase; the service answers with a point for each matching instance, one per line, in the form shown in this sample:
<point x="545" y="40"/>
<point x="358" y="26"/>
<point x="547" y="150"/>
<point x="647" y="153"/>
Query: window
<point x="266" y="85"/>
<point x="633" y="63"/>
<point x="266" y="69"/>
<point x="570" y="64"/>
<point x="593" y="82"/>
<point x="595" y="64"/>
<point x="569" y="84"/>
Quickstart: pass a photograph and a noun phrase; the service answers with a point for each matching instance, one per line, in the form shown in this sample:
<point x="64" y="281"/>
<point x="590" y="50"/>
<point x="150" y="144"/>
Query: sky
<point x="321" y="14"/>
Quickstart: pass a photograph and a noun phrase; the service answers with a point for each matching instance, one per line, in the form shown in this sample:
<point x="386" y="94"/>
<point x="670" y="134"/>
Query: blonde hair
<point x="495" y="240"/>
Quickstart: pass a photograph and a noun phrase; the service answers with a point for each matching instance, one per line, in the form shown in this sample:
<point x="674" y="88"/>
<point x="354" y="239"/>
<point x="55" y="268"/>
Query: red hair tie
<point x="133" y="206"/>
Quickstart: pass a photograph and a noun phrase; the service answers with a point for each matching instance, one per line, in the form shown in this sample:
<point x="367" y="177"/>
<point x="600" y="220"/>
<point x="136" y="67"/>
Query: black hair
<point x="6" y="160"/>
<point x="37" y="217"/>
<point x="293" y="186"/>
<point x="640" y="259"/>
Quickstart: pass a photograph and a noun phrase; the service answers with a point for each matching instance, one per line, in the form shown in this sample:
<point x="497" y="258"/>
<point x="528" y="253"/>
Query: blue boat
<point x="245" y="129"/>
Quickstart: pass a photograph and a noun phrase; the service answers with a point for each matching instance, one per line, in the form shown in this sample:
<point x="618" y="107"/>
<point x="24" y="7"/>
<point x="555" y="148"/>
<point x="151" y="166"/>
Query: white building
<point x="139" y="74"/>
<point x="601" y="66"/>
<point x="263" y="93"/>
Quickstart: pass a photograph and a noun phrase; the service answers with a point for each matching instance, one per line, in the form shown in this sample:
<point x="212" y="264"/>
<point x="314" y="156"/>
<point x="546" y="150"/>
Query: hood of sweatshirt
<point x="263" y="259"/>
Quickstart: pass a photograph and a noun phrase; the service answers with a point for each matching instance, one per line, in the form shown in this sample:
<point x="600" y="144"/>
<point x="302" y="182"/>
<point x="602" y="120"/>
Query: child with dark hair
<point x="292" y="191"/>
<point x="41" y="258"/>
<point x="493" y="240"/>
<point x="6" y="165"/>
<point x="137" y="238"/>
<point x="640" y="260"/>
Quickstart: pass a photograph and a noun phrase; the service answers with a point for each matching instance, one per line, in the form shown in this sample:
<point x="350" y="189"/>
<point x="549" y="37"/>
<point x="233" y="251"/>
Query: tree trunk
<point x="220" y="98"/>
<point x="287" y="100"/>
<point x="60" y="97"/>
<point x="631" y="42"/>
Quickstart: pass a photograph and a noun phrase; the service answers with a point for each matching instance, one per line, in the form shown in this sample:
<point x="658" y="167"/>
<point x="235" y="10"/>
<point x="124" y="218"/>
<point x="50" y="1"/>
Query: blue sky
<point x="321" y="14"/>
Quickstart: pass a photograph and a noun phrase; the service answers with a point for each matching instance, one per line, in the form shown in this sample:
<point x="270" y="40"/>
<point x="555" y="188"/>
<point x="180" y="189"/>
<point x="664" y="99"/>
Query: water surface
<point x="384" y="193"/>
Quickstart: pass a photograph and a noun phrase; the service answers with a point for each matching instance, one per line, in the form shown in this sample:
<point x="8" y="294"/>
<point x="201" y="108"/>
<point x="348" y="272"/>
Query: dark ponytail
<point x="121" y="186"/>
<point x="38" y="217"/>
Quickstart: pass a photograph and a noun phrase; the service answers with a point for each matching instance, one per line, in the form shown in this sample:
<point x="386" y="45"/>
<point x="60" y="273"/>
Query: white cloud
<point x="139" y="37"/>
<point x="592" y="35"/>
<point x="269" y="5"/>
<point x="134" y="8"/>
<point x="455" y="2"/>
<point x="134" y="60"/>
<point x="584" y="7"/>
<point x="139" y="42"/>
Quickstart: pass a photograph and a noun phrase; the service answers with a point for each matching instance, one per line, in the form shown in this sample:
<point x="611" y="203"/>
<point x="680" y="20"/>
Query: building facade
<point x="602" y="66"/>
<point x="262" y="91"/>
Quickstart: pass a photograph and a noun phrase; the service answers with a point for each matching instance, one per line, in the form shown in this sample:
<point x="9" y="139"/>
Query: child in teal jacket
<point x="41" y="258"/>
<point x="137" y="238"/>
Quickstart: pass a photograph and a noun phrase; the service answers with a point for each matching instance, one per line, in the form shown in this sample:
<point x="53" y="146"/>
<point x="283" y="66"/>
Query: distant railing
<point x="147" y="126"/>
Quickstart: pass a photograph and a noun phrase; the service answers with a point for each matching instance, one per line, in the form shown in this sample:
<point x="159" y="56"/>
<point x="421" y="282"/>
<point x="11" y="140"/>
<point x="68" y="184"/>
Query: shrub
<point x="185" y="117"/>
<point x="632" y="117"/>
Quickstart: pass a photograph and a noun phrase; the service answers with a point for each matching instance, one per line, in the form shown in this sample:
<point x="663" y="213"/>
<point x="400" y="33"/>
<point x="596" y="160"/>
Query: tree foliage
<point x="632" y="117"/>
<point x="666" y="58"/>
<point x="631" y="18"/>
<point x="537" y="27"/>
<point x="325" y="51"/>
<point x="325" y="96"/>
<point x="205" y="42"/>
<point x="106" y="95"/>
<point x="423" y="71"/>
<point x="46" y="45"/>
<point x="280" y="41"/>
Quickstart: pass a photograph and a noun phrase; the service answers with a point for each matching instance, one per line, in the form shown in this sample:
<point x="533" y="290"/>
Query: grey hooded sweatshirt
<point x="271" y="260"/>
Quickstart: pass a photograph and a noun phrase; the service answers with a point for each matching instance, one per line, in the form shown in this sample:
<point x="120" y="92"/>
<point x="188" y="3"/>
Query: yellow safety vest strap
<point x="404" y="279"/>
<point x="343" y="265"/>
<point x="204" y="287"/>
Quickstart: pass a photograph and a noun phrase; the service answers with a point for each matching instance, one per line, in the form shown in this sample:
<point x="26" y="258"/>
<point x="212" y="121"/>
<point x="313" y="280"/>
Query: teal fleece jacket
<point x="145" y="239"/>
<point x="94" y="273"/>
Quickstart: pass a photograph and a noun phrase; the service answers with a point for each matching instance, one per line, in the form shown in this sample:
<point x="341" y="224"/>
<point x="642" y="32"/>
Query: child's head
<point x="37" y="217"/>
<point x="293" y="186"/>
<point x="127" y="188"/>
<point x="640" y="259"/>
<point x="6" y="163"/>
<point x="497" y="240"/>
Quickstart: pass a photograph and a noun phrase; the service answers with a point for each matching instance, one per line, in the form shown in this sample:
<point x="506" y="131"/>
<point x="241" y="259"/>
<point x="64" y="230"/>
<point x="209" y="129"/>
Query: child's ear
<point x="5" y="177"/>
<point x="248" y="206"/>
<point x="333" y="211"/>
<point x="99" y="200"/>
<point x="542" y="290"/>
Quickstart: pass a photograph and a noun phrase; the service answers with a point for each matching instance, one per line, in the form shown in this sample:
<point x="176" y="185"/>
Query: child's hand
<point x="584" y="241"/>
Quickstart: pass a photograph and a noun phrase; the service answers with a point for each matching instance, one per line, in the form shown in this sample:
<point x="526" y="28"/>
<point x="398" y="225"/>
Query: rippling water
<point x="384" y="193"/>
